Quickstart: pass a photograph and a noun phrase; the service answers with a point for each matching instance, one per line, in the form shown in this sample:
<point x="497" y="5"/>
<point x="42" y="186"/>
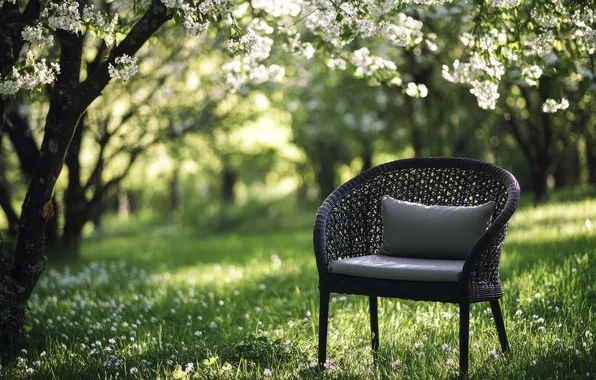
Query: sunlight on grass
<point x="175" y="305"/>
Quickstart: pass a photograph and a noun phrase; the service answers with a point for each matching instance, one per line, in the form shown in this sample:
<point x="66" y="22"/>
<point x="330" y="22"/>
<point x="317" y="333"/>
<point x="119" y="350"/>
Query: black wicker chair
<point x="349" y="224"/>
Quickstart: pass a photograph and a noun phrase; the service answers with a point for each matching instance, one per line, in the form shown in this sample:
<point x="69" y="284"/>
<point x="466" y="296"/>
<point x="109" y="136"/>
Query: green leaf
<point x="346" y="34"/>
<point x="208" y="362"/>
<point x="178" y="373"/>
<point x="178" y="18"/>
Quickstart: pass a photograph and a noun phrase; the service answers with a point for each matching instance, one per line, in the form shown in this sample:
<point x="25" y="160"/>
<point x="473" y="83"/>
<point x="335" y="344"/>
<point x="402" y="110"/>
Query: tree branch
<point x="22" y="140"/>
<point x="152" y="20"/>
<point x="12" y="23"/>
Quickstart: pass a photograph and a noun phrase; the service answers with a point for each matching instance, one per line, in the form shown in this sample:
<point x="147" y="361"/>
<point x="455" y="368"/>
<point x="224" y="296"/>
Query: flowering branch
<point x="151" y="21"/>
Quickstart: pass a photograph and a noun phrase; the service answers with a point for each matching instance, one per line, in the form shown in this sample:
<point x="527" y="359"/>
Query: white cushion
<point x="432" y="232"/>
<point x="399" y="268"/>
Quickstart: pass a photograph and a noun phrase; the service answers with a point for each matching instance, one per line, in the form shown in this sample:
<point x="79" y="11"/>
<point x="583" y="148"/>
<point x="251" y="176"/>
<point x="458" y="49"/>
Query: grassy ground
<point x="159" y="303"/>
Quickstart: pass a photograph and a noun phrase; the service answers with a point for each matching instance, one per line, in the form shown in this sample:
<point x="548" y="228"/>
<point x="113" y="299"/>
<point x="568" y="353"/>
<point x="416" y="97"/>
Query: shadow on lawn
<point x="177" y="251"/>
<point x="553" y="364"/>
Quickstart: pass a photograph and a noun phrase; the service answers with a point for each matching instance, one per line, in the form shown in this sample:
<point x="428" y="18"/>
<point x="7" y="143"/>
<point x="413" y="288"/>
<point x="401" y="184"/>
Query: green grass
<point x="145" y="305"/>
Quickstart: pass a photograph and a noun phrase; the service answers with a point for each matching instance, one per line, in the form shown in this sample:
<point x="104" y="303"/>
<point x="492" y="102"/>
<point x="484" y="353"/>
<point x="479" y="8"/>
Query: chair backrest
<point x="349" y="223"/>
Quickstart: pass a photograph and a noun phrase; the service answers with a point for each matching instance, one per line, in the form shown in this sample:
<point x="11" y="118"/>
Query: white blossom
<point x="402" y="33"/>
<point x="176" y="4"/>
<point x="367" y="64"/>
<point x="246" y="44"/>
<point x="278" y="8"/>
<point x="208" y="6"/>
<point x="63" y="16"/>
<point x="34" y="34"/>
<point x="427" y="2"/>
<point x="126" y="67"/>
<point x="365" y="28"/>
<point x="531" y="73"/>
<point x="340" y="63"/>
<point x="248" y="68"/>
<point x="308" y="50"/>
<point x="544" y="20"/>
<point x="504" y="3"/>
<point x="194" y="27"/>
<point x="103" y="24"/>
<point x="552" y="105"/>
<point x="487" y="93"/>
<point x="541" y="45"/>
<point x="31" y="76"/>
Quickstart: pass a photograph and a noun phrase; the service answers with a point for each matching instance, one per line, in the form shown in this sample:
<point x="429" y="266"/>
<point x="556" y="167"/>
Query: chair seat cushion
<point x="399" y="268"/>
<point x="432" y="232"/>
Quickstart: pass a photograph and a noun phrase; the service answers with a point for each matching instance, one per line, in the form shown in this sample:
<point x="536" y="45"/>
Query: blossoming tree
<point x="503" y="39"/>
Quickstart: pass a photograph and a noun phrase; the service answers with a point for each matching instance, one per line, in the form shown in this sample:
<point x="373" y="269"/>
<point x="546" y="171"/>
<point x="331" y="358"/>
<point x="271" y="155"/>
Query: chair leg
<point x="374" y="323"/>
<point x="464" y="335"/>
<point x="323" y="320"/>
<point x="498" y="316"/>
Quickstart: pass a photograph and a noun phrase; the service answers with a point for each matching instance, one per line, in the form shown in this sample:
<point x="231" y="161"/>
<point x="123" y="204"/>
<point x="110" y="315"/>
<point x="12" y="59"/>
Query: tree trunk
<point x="123" y="205"/>
<point x="367" y="155"/>
<point x="591" y="160"/>
<point x="21" y="137"/>
<point x="326" y="171"/>
<point x="75" y="201"/>
<point x="540" y="172"/>
<point x="175" y="192"/>
<point x="416" y="140"/>
<point x="228" y="181"/>
<point x="12" y="313"/>
<point x="69" y="99"/>
<point x="61" y="122"/>
<point x="567" y="172"/>
<point x="96" y="219"/>
<point x="11" y="215"/>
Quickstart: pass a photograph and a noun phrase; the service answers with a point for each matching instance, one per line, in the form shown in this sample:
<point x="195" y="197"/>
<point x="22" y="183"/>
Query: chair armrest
<point x="320" y="238"/>
<point x="487" y="250"/>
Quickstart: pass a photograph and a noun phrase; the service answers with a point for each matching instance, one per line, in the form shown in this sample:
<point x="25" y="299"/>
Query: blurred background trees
<point x="180" y="145"/>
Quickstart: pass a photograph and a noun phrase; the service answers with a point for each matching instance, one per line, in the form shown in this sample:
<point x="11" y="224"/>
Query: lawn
<point x="163" y="303"/>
